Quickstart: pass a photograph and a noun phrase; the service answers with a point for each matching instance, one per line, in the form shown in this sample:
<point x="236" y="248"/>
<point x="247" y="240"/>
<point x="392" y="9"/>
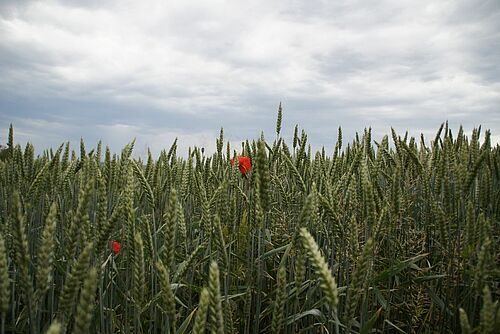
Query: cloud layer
<point x="156" y="70"/>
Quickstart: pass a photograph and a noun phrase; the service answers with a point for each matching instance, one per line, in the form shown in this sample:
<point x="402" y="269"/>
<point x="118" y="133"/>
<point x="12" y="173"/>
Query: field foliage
<point x="396" y="236"/>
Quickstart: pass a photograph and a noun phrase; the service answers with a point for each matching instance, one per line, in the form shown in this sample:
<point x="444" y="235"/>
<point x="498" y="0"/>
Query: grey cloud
<point x="160" y="70"/>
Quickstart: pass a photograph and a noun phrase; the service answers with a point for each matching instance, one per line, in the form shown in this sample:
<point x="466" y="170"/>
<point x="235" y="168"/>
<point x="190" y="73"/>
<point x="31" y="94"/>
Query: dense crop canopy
<point x="392" y="236"/>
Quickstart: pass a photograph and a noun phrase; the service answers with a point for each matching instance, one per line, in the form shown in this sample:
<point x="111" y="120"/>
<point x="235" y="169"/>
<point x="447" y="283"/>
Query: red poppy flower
<point x="244" y="164"/>
<point x="115" y="246"/>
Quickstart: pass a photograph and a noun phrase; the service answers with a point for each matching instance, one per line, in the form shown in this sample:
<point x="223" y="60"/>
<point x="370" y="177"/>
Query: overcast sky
<point x="156" y="70"/>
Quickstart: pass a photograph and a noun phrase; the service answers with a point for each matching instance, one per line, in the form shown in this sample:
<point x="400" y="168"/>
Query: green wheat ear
<point x="171" y="219"/>
<point x="279" y="119"/>
<point x="85" y="308"/>
<point x="139" y="272"/>
<point x="464" y="322"/>
<point x="201" y="314"/>
<point x="72" y="283"/>
<point x="262" y="168"/>
<point x="167" y="294"/>
<point x="300" y="269"/>
<point x="327" y="282"/>
<point x="487" y="315"/>
<point x="55" y="328"/>
<point x="279" y="303"/>
<point x="21" y="248"/>
<point x="46" y="253"/>
<point x="106" y="228"/>
<point x="358" y="281"/>
<point x="181" y="224"/>
<point x="4" y="279"/>
<point x="221" y="244"/>
<point x="216" y="315"/>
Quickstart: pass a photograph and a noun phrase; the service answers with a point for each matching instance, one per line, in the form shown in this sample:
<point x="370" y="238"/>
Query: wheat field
<point x="396" y="236"/>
